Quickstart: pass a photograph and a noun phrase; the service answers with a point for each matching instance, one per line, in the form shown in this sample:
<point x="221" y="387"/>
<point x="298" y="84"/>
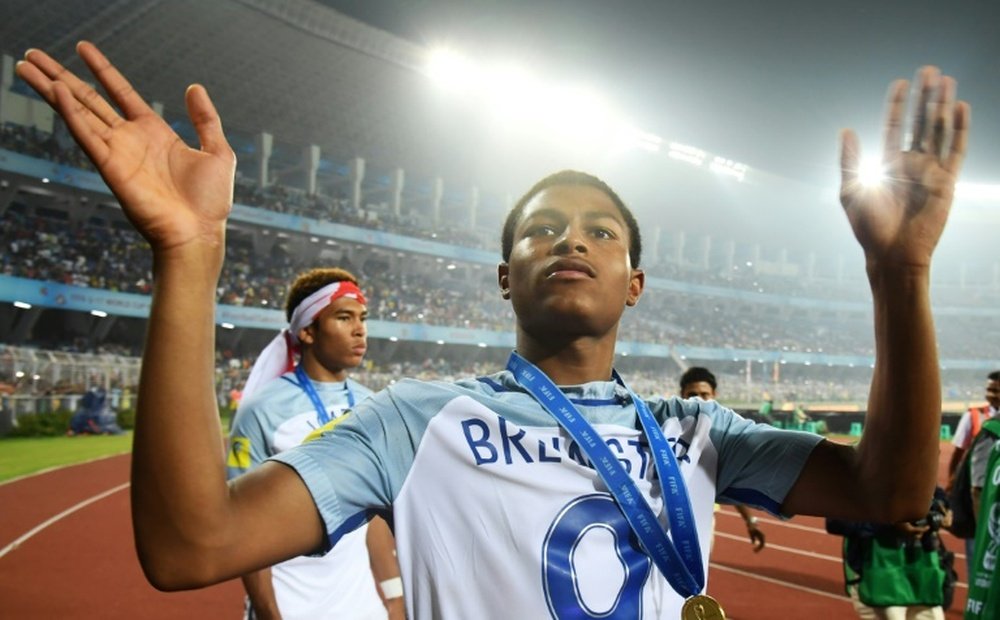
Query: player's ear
<point x="307" y="334"/>
<point x="503" y="279"/>
<point x="636" y="284"/>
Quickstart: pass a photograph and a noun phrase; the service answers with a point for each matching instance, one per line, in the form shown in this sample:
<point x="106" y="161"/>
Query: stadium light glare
<point x="19" y="374"/>
<point x="99" y="313"/>
<point x="482" y="345"/>
<point x="509" y="91"/>
<point x="687" y="154"/>
<point x="871" y="172"/>
<point x="628" y="138"/>
<point x="574" y="109"/>
<point x="977" y="191"/>
<point x="727" y="167"/>
<point x="227" y="326"/>
<point x="451" y="69"/>
<point x="393" y="339"/>
<point x="23" y="305"/>
<point x="440" y="341"/>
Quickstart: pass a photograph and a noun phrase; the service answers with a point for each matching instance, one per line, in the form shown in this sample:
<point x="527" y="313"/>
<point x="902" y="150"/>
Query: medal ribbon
<point x="679" y="560"/>
<point x="306" y="384"/>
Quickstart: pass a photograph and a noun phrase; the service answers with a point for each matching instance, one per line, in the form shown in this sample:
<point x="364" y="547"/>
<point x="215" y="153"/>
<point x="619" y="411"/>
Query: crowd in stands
<point x="99" y="254"/>
<point x="56" y="147"/>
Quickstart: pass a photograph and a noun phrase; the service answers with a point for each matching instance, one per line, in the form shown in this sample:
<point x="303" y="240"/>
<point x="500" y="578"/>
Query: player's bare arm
<point x="190" y="527"/>
<point x="890" y="475"/>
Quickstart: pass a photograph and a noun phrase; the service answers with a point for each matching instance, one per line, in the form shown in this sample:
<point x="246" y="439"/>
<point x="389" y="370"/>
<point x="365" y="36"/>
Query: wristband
<point x="392" y="588"/>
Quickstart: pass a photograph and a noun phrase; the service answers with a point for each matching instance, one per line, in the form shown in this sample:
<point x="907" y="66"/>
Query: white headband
<point x="277" y="358"/>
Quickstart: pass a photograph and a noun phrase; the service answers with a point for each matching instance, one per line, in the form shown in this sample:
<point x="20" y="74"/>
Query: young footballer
<point x="545" y="489"/>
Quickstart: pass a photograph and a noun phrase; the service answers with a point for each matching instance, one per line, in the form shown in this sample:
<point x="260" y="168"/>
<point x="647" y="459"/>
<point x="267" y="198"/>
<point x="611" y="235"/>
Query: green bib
<point x="984" y="590"/>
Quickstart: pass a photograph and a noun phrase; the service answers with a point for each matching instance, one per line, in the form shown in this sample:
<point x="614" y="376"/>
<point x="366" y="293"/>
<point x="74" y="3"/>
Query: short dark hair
<point x="697" y="374"/>
<point x="994" y="376"/>
<point x="572" y="178"/>
<point x="311" y="281"/>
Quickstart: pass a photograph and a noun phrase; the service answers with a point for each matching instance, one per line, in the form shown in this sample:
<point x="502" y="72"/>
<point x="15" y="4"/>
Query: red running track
<point x="76" y="558"/>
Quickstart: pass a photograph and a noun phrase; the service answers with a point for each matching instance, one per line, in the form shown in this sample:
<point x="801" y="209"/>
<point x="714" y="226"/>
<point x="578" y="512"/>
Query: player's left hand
<point x="899" y="221"/>
<point x="756" y="538"/>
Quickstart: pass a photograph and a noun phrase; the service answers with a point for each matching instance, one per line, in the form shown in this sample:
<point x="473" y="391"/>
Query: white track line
<point x="68" y="465"/>
<point x="810" y="554"/>
<point x="778" y="582"/>
<point x="62" y="515"/>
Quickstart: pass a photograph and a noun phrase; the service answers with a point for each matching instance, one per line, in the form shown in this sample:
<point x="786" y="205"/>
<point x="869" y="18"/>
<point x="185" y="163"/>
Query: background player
<point x="298" y="385"/>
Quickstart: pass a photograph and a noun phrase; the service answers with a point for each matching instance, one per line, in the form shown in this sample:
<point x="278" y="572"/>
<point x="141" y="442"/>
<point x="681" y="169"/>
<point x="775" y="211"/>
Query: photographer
<point x="898" y="571"/>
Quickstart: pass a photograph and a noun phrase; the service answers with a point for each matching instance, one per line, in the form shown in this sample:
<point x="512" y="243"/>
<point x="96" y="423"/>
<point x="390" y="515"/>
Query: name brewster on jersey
<point x="508" y="444"/>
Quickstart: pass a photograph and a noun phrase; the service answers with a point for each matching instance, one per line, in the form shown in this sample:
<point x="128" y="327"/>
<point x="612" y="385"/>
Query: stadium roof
<point x="294" y="68"/>
<point x="767" y="85"/>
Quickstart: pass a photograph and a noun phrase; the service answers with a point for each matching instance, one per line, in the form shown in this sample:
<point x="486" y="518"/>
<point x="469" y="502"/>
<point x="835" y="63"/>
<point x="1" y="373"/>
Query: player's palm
<point x="173" y="194"/>
<point x="901" y="220"/>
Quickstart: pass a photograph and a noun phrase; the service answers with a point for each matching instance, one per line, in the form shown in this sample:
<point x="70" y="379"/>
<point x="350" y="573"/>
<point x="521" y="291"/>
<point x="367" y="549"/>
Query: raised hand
<point x="173" y="194"/>
<point x="900" y="221"/>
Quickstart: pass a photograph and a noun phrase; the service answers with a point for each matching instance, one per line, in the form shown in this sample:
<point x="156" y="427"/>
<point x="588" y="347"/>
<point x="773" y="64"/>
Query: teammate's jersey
<point x="338" y="585"/>
<point x="498" y="513"/>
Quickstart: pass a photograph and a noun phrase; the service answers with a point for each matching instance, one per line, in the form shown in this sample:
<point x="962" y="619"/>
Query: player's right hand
<point x="174" y="195"/>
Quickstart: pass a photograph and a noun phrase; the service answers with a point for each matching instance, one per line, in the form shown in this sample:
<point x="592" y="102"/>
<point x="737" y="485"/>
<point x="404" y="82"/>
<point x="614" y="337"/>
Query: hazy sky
<point x="767" y="83"/>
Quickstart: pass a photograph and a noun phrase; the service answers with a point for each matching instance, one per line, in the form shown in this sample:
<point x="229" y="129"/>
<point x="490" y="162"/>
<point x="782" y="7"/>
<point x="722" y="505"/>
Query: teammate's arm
<point x="260" y="590"/>
<point x="385" y="567"/>
<point x="891" y="474"/>
<point x="191" y="528"/>
<point x="757" y="538"/>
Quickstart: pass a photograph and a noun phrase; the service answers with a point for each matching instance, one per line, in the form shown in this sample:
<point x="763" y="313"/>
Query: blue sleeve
<point x="758" y="464"/>
<point x="355" y="470"/>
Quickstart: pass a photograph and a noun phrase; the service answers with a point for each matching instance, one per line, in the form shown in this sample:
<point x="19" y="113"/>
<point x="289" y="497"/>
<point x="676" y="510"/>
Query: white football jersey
<point x="338" y="585"/>
<point x="498" y="513"/>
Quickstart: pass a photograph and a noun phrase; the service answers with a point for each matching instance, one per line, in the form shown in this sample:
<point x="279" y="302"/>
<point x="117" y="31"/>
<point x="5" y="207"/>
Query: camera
<point x="933" y="521"/>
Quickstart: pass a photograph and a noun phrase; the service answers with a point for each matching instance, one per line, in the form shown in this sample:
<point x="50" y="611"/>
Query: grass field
<point x="27" y="455"/>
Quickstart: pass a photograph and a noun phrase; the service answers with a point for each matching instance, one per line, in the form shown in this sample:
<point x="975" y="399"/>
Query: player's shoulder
<point x="268" y="392"/>
<point x="421" y="389"/>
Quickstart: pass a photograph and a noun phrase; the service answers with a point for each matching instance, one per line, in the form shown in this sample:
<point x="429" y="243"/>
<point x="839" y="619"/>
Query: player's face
<point x="338" y="338"/>
<point x="993" y="394"/>
<point x="569" y="271"/>
<point x="701" y="389"/>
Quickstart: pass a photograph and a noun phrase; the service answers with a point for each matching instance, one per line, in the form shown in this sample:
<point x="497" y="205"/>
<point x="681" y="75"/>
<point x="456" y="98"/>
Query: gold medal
<point x="702" y="607"/>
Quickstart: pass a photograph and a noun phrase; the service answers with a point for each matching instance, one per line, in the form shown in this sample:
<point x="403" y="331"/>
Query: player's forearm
<point x="178" y="481"/>
<point x="384" y="565"/>
<point x="260" y="590"/>
<point x="898" y="454"/>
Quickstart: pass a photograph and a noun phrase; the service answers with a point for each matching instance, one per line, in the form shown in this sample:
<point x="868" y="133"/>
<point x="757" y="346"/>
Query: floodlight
<point x="450" y="69"/>
<point x="871" y="172"/>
